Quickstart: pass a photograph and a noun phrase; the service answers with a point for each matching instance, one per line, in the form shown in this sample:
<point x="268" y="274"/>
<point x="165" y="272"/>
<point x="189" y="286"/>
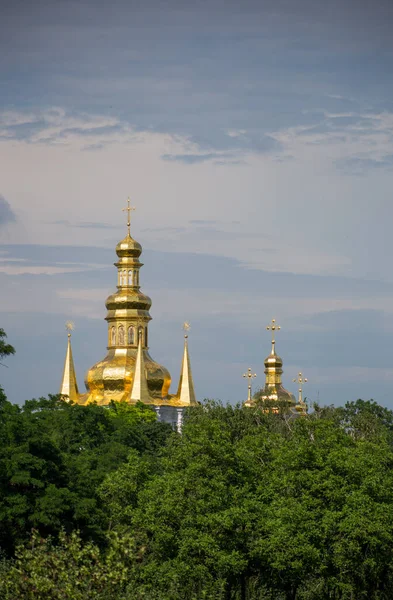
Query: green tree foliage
<point x="67" y="570"/>
<point x="53" y="457"/>
<point x="5" y="349"/>
<point x="253" y="505"/>
<point x="245" y="505"/>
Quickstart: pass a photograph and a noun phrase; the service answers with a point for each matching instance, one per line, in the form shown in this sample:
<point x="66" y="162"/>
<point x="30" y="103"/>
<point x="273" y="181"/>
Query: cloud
<point x="37" y="270"/>
<point x="365" y="136"/>
<point x="94" y="132"/>
<point x="360" y="166"/>
<point x="355" y="142"/>
<point x="41" y="260"/>
<point x="208" y="222"/>
<point x="223" y="147"/>
<point x="56" y="125"/>
<point x="193" y="159"/>
<point x="168" y="230"/>
<point x="83" y="224"/>
<point x="7" y="215"/>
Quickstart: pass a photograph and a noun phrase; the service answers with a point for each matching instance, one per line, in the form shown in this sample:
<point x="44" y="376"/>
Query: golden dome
<point x="127" y="299"/>
<point x="112" y="378"/>
<point x="128" y="317"/>
<point x="273" y="361"/>
<point x="273" y="389"/>
<point x="128" y="248"/>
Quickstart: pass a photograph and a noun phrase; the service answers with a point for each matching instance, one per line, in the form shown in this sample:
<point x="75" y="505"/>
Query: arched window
<point x="131" y="336"/>
<point x="120" y="278"/>
<point x="113" y="336"/>
<point x="140" y="334"/>
<point x="146" y="336"/>
<point x="121" y="335"/>
<point x="130" y="277"/>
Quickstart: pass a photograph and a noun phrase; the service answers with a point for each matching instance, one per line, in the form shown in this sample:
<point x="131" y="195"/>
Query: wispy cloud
<point x="357" y="141"/>
<point x="361" y="140"/>
<point x="58" y="126"/>
<point x="7" y="215"/>
<point x="209" y="222"/>
<point x="193" y="159"/>
<point x="83" y="224"/>
<point x="94" y="132"/>
<point x="38" y="270"/>
<point x="360" y="166"/>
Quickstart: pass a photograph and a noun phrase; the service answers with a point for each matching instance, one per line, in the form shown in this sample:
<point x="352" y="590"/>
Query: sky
<point x="255" y="140"/>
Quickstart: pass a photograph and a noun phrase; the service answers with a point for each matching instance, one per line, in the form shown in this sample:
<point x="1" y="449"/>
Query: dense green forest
<point x="109" y="504"/>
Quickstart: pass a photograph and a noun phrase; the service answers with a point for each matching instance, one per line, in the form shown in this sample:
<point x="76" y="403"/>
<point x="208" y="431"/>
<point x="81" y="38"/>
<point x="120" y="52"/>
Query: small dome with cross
<point x="128" y="248"/>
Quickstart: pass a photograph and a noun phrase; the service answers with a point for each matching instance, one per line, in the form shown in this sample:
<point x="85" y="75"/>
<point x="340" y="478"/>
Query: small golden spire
<point x="273" y="327"/>
<point x="128" y="208"/>
<point x="186" y="392"/>
<point x="250" y="376"/>
<point x="69" y="386"/>
<point x="300" y="380"/>
<point x="140" y="390"/>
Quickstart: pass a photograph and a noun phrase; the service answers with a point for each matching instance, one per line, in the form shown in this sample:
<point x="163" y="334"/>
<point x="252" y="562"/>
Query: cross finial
<point x="300" y="380"/>
<point x="128" y="208"/>
<point x="249" y="376"/>
<point x="70" y="326"/>
<point x="186" y="328"/>
<point x="273" y="327"/>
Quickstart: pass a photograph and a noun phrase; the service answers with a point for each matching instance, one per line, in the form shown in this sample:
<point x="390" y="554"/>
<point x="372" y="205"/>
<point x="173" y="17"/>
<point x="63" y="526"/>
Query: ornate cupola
<point x="273" y="389"/>
<point x="128" y="325"/>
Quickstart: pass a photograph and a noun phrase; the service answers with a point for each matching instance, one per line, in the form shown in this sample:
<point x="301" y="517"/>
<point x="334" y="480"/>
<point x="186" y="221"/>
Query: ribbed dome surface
<point x="128" y="298"/>
<point x="128" y="247"/>
<point x="273" y="361"/>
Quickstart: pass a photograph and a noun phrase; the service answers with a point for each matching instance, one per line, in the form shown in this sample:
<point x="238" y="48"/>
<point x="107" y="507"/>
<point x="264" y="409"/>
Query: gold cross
<point x="273" y="327"/>
<point x="128" y="208"/>
<point x="300" y="380"/>
<point x="250" y="376"/>
<point x="186" y="327"/>
<point x="70" y="326"/>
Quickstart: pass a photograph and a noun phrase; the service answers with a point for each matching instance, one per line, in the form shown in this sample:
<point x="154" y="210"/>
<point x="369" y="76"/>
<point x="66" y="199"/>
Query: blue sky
<point x="255" y="139"/>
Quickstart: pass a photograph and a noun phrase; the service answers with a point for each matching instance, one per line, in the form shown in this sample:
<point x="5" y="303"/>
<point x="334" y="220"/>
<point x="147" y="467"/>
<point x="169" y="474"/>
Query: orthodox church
<point x="128" y="372"/>
<point x="273" y="394"/>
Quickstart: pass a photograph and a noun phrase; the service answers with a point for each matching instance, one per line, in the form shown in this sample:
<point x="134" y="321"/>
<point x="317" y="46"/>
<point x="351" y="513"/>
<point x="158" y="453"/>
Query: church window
<point x="113" y="336"/>
<point x="131" y="336"/>
<point x="120" y="278"/>
<point x="140" y="334"/>
<point x="145" y="336"/>
<point x="129" y="277"/>
<point x="121" y="335"/>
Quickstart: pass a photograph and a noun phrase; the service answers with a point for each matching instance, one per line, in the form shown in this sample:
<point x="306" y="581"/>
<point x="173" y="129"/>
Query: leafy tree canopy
<point x="247" y="504"/>
<point x="244" y="505"/>
<point x="5" y="349"/>
<point x="53" y="457"/>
